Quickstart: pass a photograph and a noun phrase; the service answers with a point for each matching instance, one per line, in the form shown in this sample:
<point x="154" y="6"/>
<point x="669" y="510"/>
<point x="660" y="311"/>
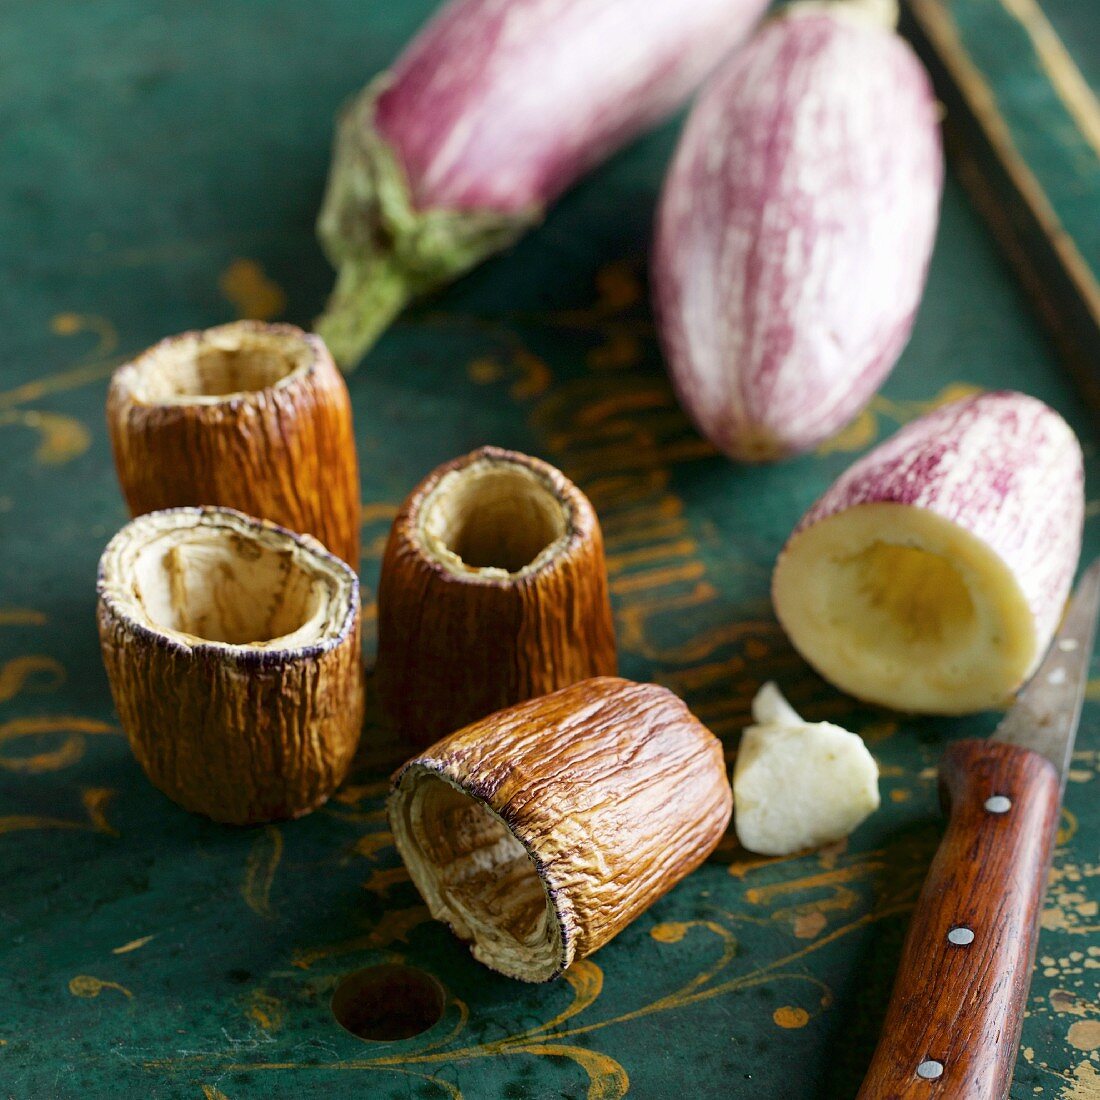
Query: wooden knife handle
<point x="952" y="1030"/>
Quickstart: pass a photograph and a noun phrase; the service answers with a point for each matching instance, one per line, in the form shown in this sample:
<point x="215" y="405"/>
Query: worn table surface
<point x="161" y="171"/>
<point x="1019" y="79"/>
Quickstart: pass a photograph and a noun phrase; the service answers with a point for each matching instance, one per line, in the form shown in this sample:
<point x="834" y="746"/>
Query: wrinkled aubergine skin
<point x="284" y="453"/>
<point x="453" y="648"/>
<point x="241" y="734"/>
<point x="501" y="104"/>
<point x="616" y="790"/>
<point x="795" y="229"/>
<point x="1003" y="466"/>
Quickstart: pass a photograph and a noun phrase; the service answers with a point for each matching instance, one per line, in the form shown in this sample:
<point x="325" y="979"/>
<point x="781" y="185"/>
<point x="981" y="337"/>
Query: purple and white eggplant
<point x="932" y="575"/>
<point x="795" y="228"/>
<point x="492" y="111"/>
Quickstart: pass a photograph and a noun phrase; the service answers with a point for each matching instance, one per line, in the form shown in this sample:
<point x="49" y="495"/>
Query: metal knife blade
<point x="1046" y="713"/>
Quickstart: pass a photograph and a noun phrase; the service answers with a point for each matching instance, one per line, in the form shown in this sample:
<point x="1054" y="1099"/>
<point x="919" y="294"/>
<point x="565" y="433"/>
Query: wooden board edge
<point x="1053" y="273"/>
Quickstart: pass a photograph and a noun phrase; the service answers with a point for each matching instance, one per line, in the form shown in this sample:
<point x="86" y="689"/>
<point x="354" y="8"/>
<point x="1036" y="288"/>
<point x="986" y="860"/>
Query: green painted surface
<point x="147" y="153"/>
<point x="1025" y="51"/>
<point x="1079" y="29"/>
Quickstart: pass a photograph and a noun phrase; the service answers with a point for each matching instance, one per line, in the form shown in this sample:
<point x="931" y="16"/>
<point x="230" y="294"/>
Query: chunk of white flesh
<point x="797" y="784"/>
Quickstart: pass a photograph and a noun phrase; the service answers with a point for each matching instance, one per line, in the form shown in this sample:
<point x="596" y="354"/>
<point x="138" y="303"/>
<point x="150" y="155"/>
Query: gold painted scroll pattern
<point x="62" y="437"/>
<point x="42" y="673"/>
<point x="854" y="887"/>
<point x="621" y="438"/>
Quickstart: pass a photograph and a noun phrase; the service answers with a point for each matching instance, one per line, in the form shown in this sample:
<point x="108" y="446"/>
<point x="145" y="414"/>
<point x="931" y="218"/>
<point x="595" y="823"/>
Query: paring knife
<point x="952" y="1029"/>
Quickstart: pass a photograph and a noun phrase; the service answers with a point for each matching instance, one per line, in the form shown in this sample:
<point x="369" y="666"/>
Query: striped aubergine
<point x="795" y="228"/>
<point x="493" y="110"/>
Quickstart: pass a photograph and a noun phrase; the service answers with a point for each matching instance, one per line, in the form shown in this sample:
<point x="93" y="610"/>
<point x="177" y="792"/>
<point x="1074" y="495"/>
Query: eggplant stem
<point x="369" y="293"/>
<point x="386" y="249"/>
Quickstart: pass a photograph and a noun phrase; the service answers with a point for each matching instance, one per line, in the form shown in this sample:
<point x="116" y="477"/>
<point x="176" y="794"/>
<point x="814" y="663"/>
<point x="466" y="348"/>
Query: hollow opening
<point x="387" y="1003"/>
<point x="902" y="607"/>
<point x="902" y="598"/>
<point x="476" y="876"/>
<point x="221" y="586"/>
<point x="492" y="516"/>
<point x="482" y="870"/>
<point x="214" y="364"/>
